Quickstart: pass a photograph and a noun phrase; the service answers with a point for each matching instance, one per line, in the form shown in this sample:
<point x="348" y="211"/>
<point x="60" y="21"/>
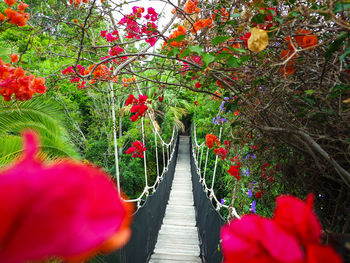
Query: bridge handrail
<point x="197" y="149"/>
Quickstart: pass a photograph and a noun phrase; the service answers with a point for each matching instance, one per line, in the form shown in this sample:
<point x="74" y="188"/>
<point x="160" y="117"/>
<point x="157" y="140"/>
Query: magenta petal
<point x="257" y="239"/>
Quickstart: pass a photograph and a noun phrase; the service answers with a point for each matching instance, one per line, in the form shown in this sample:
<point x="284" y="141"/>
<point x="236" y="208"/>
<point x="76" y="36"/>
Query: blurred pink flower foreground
<point x="65" y="209"/>
<point x="292" y="236"/>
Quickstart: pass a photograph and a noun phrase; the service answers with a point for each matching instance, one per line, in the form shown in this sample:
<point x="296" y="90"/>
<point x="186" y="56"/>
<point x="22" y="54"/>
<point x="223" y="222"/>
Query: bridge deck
<point x="178" y="237"/>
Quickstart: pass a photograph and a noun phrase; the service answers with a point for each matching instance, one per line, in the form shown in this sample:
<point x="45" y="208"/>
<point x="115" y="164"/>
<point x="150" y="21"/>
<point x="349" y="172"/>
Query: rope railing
<point x="168" y="150"/>
<point x="197" y="150"/>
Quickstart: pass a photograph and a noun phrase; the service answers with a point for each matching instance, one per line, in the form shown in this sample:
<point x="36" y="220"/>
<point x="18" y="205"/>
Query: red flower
<point x="221" y="152"/>
<point x="303" y="224"/>
<point x="14" y="58"/>
<point x="65" y="209"/>
<point x="255" y="239"/>
<point x="195" y="103"/>
<point x="137" y="149"/>
<point x="235" y="171"/>
<point x="245" y="38"/>
<point x="259" y="194"/>
<point x="292" y="236"/>
<point x="210" y="139"/>
<point x="198" y="85"/>
<point x="130" y="100"/>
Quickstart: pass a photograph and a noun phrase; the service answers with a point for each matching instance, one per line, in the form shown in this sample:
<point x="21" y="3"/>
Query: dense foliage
<point x="271" y="77"/>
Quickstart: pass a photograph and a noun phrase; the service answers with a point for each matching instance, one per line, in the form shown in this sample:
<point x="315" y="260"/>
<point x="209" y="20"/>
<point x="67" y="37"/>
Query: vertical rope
<point x="200" y="161"/>
<point x="155" y="139"/>
<point x="216" y="162"/>
<point x="167" y="149"/>
<point x="163" y="158"/>
<point x="115" y="139"/>
<point x="144" y="157"/>
<point x="206" y="161"/>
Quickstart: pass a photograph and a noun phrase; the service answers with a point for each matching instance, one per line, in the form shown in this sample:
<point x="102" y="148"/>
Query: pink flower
<point x="292" y="236"/>
<point x="67" y="209"/>
<point x="151" y="41"/>
<point x="303" y="224"/>
<point x="255" y="239"/>
<point x="136" y="150"/>
<point x="103" y="34"/>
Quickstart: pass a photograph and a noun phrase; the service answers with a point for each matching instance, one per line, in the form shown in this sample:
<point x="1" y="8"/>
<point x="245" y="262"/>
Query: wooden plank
<point x="178" y="237"/>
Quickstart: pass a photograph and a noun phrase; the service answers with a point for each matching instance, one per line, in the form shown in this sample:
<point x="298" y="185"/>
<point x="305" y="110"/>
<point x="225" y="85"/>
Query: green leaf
<point x="309" y="91"/>
<point x="336" y="44"/>
<point x="196" y="49"/>
<point x="219" y="39"/>
<point x="259" y="18"/>
<point x="233" y="62"/>
<point x="178" y="38"/>
<point x="341" y="6"/>
<point x="342" y="57"/>
<point x="185" y="53"/>
<point x="338" y="90"/>
<point x="173" y="52"/>
<point x="240" y="50"/>
<point x="207" y="58"/>
<point x="280" y="20"/>
<point x="244" y="58"/>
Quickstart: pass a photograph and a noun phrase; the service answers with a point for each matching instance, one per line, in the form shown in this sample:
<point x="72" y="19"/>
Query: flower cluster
<point x="194" y="59"/>
<point x="110" y="37"/>
<point x="191" y="7"/>
<point x="137" y="30"/>
<point x="270" y="13"/>
<point x="180" y="31"/>
<point x="18" y="17"/>
<point x="210" y="140"/>
<point x="221" y="152"/>
<point x="200" y="24"/>
<point x="138" y="106"/>
<point x="15" y="81"/>
<point x="303" y="38"/>
<point x="38" y="218"/>
<point x="77" y="3"/>
<point x="293" y="235"/>
<point x="101" y="72"/>
<point x="235" y="169"/>
<point x="136" y="150"/>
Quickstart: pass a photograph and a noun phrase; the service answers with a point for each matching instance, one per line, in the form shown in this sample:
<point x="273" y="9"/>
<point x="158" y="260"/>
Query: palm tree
<point x="43" y="115"/>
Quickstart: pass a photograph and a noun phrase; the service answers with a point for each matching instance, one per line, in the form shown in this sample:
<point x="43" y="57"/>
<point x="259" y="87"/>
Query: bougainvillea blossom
<point x="14" y="81"/>
<point x="65" y="209"/>
<point x="139" y="106"/>
<point x="292" y="236"/>
<point x="210" y="140"/>
<point x="137" y="150"/>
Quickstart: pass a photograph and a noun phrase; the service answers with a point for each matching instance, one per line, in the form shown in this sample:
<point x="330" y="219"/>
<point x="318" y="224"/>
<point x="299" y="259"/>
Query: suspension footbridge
<point x="176" y="218"/>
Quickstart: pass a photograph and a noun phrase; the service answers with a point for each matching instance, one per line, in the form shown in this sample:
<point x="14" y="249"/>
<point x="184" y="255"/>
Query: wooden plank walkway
<point x="178" y="236"/>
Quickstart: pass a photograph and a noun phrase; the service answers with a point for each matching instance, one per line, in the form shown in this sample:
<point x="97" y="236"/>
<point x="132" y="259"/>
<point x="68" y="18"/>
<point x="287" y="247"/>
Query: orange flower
<point x="285" y="54"/>
<point x="2" y="17"/>
<point x="16" y="18"/>
<point x="180" y="31"/>
<point x="288" y="69"/>
<point x="191" y="7"/>
<point x="14" y="58"/>
<point x="21" y="7"/>
<point x="202" y="23"/>
<point x="305" y="39"/>
<point x="210" y="139"/>
<point x="10" y="2"/>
